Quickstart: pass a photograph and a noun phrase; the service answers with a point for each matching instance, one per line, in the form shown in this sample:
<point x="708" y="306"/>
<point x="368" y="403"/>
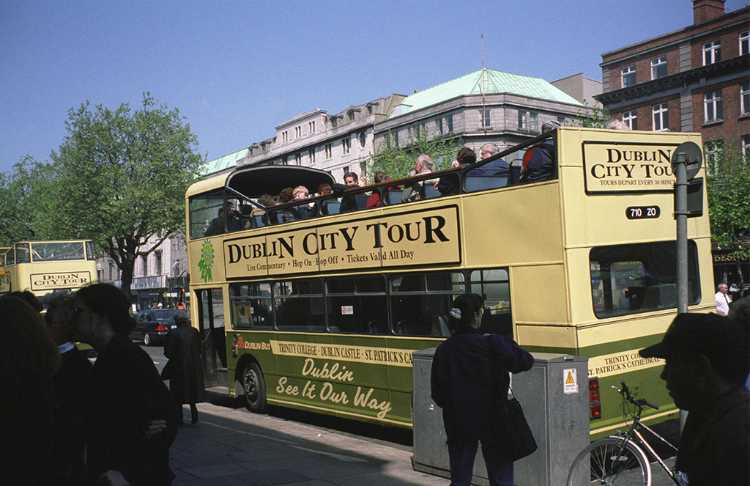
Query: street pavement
<point x="231" y="447"/>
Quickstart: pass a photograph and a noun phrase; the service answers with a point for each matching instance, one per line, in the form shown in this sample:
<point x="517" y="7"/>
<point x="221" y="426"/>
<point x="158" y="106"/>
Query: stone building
<point x="694" y="79"/>
<point x="480" y="107"/>
<point x="337" y="143"/>
<point x="157" y="277"/>
<point x="581" y="88"/>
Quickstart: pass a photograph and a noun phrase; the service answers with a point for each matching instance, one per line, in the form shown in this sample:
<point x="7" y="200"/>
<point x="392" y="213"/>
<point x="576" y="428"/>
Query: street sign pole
<point x="681" y="216"/>
<point x="686" y="161"/>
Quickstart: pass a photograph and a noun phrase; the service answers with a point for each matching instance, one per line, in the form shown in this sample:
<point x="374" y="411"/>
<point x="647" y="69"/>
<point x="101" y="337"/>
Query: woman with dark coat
<point x="185" y="368"/>
<point x="469" y="378"/>
<point x="132" y="422"/>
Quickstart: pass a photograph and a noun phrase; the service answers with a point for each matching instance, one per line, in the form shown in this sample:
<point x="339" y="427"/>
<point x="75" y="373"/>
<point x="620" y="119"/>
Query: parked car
<point x="153" y="325"/>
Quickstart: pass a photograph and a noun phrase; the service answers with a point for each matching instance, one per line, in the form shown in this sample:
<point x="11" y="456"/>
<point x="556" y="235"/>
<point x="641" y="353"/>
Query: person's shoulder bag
<point x="518" y="437"/>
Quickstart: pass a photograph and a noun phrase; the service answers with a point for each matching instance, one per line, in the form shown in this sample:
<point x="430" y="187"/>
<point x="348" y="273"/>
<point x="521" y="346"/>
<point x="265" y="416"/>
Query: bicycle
<point x="622" y="456"/>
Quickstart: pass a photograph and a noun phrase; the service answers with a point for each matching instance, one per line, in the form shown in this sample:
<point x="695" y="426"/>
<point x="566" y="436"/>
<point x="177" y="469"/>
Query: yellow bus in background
<point x="318" y="304"/>
<point x="4" y="277"/>
<point x="48" y="267"/>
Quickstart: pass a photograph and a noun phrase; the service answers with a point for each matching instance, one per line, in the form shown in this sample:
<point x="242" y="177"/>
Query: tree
<point x="729" y="200"/>
<point x="396" y="162"/>
<point x="124" y="173"/>
<point x="28" y="196"/>
<point x="596" y="118"/>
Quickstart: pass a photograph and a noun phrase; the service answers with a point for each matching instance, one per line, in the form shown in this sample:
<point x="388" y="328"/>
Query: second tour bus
<point x="318" y="304"/>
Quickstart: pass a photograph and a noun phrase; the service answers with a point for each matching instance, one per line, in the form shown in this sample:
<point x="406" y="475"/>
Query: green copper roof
<point x="485" y="81"/>
<point x="217" y="165"/>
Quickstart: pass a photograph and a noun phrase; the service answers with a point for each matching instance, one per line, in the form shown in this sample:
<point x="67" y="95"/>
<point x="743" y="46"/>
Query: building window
<point x="448" y="123"/>
<point x="144" y="265"/>
<point x="285" y="136"/>
<point x="528" y="121"/>
<point x="440" y="125"/>
<point x="711" y="52"/>
<point x="112" y="275"/>
<point x="744" y="41"/>
<point x="658" y="67"/>
<point x="297" y="132"/>
<point x="660" y="117"/>
<point x="311" y="126"/>
<point x="345" y="170"/>
<point x="745" y="97"/>
<point x="311" y="155"/>
<point x="486" y="120"/>
<point x="631" y="119"/>
<point x="746" y="148"/>
<point x="329" y="151"/>
<point x="298" y="159"/>
<point x="713" y="151"/>
<point x="346" y="144"/>
<point x="362" y="138"/>
<point x="712" y="109"/>
<point x="157" y="262"/>
<point x="363" y="170"/>
<point x="284" y="160"/>
<point x="628" y="76"/>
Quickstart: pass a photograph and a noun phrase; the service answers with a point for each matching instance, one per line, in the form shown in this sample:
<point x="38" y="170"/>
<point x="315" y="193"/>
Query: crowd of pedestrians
<point x="69" y="422"/>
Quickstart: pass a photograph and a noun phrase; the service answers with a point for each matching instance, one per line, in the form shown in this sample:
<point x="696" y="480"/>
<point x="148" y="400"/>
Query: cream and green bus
<point x="318" y="304"/>
<point x="46" y="268"/>
<point x="4" y="275"/>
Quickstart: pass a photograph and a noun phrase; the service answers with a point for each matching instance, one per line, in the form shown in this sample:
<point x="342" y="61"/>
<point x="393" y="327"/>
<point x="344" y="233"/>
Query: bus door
<point x="211" y="325"/>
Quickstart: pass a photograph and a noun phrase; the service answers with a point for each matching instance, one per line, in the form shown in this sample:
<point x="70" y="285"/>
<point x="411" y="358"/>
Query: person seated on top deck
<point x="348" y="201"/>
<point x="303" y="211"/>
<point x="286" y="195"/>
<point x="423" y="165"/>
<point x="375" y="200"/>
<point x="540" y="161"/>
<point x="233" y="222"/>
<point x="449" y="184"/>
<point x="324" y="189"/>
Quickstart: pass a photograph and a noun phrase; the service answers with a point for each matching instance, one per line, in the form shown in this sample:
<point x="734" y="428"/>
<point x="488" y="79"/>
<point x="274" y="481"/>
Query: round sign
<point x="688" y="153"/>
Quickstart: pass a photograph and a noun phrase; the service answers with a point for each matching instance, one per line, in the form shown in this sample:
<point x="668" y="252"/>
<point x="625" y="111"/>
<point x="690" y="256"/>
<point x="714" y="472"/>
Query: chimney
<point x="705" y="10"/>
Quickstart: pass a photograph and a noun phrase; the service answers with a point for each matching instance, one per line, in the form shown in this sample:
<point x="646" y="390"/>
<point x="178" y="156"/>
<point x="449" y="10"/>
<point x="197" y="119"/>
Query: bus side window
<point x="251" y="305"/>
<point x="357" y="305"/>
<point x="206" y="216"/>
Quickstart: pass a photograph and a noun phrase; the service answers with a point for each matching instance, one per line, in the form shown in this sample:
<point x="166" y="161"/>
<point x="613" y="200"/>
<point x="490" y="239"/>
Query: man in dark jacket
<point x="540" y="161"/>
<point x="706" y="365"/>
<point x="132" y="422"/>
<point x="184" y="370"/>
<point x="469" y="379"/>
<point x="72" y="386"/>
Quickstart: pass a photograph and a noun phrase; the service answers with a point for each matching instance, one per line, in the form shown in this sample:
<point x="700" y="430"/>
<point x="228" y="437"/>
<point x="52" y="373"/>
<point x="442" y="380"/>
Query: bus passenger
<point x="286" y="195"/>
<point x="470" y="383"/>
<point x="375" y="199"/>
<point x="324" y="189"/>
<point x="423" y="165"/>
<point x="540" y="161"/>
<point x="449" y="184"/>
<point x="348" y="201"/>
<point x="494" y="168"/>
<point x="303" y="211"/>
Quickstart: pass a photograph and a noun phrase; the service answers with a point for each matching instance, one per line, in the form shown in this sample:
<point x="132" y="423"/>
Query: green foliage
<point x="729" y="201"/>
<point x="396" y="162"/>
<point x="28" y="202"/>
<point x="598" y="118"/>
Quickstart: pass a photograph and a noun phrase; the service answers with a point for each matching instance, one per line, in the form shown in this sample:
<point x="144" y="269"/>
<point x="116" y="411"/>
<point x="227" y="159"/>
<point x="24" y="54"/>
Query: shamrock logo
<point x="206" y="263"/>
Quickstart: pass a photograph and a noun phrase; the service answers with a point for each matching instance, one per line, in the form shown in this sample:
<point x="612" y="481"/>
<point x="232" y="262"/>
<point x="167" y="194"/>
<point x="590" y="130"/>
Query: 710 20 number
<point x="642" y="212"/>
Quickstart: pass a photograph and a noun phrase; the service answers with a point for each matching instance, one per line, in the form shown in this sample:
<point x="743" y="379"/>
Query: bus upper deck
<point x="580" y="263"/>
<point x="47" y="267"/>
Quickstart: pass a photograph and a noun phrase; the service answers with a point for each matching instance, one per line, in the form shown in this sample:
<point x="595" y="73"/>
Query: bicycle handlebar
<point x="625" y="392"/>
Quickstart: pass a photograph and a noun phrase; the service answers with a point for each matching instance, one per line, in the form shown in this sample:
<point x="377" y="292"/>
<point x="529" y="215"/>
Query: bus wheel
<point x="146" y="340"/>
<point x="254" y="387"/>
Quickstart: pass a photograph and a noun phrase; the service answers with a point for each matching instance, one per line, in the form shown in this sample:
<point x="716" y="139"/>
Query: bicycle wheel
<point x="610" y="461"/>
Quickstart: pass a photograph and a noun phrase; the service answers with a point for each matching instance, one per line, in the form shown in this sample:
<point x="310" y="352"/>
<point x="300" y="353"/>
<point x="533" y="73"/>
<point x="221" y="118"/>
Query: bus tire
<point x="254" y="388"/>
<point x="146" y="339"/>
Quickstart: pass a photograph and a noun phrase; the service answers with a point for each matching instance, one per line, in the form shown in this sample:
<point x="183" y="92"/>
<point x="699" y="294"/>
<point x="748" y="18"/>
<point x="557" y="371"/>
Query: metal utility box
<point x="554" y="395"/>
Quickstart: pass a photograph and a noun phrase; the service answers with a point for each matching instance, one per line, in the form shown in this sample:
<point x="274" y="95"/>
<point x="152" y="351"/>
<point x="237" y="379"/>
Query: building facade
<point x="695" y="79"/>
<point x="337" y="143"/>
<point x="581" y="88"/>
<point x="484" y="106"/>
<point x="158" y="277"/>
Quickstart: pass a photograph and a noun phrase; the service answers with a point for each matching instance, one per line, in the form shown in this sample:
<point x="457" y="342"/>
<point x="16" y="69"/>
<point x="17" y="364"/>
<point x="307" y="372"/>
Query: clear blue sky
<point x="236" y="69"/>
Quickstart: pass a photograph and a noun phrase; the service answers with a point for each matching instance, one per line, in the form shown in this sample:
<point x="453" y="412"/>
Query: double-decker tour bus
<point x="4" y="276"/>
<point x="318" y="304"/>
<point x="49" y="267"/>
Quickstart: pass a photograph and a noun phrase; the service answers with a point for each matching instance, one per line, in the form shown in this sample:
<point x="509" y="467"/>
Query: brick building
<point x="694" y="79"/>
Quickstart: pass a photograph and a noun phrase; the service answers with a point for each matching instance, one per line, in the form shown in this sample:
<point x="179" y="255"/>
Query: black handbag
<point x="519" y="438"/>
